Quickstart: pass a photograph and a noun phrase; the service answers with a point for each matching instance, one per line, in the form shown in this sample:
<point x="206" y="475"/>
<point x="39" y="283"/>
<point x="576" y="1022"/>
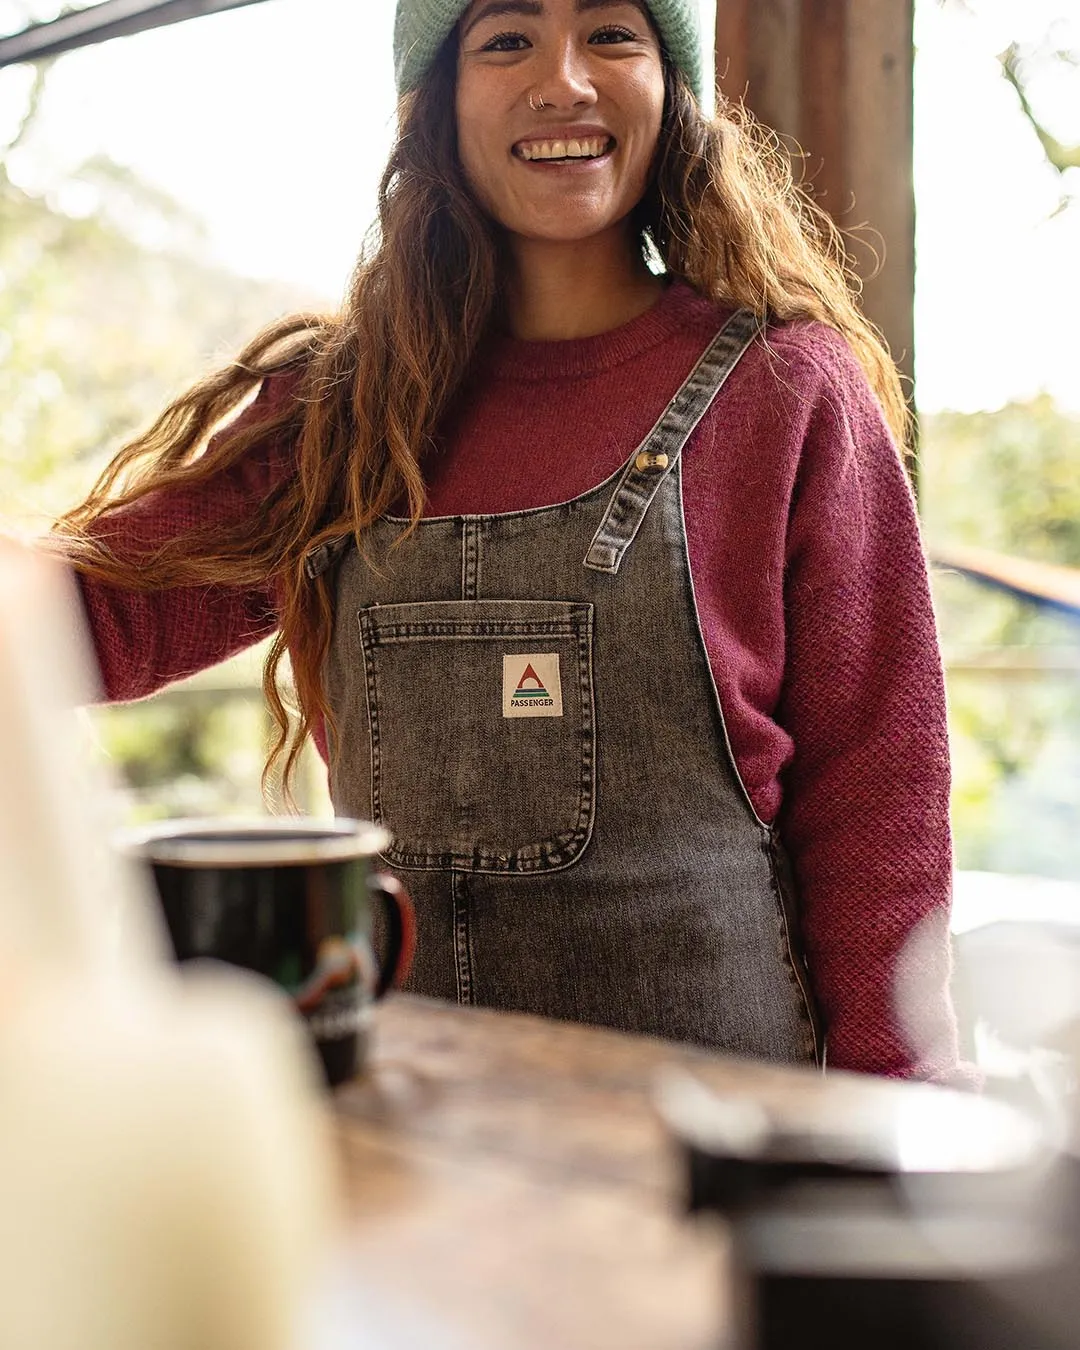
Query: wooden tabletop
<point x="510" y="1185"/>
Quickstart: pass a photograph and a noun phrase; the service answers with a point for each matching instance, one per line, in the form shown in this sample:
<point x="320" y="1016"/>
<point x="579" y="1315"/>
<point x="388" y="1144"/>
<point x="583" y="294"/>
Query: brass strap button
<point x="646" y="460"/>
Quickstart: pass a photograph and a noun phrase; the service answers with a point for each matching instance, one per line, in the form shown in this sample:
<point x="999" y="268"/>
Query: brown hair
<point x="369" y="386"/>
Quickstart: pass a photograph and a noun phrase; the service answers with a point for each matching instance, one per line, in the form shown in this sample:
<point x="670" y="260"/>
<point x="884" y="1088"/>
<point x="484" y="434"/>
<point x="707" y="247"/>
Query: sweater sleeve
<point x="866" y="801"/>
<point x="144" y="640"/>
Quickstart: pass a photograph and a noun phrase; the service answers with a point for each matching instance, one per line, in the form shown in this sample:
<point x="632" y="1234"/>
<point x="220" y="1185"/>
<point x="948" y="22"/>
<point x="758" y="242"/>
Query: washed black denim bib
<point x="525" y="701"/>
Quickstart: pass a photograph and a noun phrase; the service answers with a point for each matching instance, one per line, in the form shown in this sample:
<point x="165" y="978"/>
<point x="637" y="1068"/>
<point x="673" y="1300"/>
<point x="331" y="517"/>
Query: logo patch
<point x="531" y="685"/>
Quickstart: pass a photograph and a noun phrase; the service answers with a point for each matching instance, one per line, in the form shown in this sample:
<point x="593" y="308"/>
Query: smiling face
<point x="576" y="168"/>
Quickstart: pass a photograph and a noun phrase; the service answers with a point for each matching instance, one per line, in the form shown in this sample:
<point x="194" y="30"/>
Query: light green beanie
<point x="422" y="26"/>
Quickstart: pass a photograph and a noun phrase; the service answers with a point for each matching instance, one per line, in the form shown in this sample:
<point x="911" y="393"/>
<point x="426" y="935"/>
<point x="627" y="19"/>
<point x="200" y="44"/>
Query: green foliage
<point x="188" y="756"/>
<point x="1006" y="480"/>
<point x="100" y="327"/>
<point x="108" y="308"/>
<point x="1014" y="66"/>
<point x="1009" y="481"/>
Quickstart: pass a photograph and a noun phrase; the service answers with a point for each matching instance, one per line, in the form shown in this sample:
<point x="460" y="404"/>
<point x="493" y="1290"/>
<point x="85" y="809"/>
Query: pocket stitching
<point x="371" y="686"/>
<point x="550" y="855"/>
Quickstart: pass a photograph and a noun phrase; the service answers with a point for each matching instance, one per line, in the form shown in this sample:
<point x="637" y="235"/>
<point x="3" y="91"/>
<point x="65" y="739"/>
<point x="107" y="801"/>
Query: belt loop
<point x="322" y="558"/>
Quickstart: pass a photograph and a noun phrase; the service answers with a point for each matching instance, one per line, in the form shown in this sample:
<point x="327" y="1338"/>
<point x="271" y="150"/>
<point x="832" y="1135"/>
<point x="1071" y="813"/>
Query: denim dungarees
<point x="526" y="702"/>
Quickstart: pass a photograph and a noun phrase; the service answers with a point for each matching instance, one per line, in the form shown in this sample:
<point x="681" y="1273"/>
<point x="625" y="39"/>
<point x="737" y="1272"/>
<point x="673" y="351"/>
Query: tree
<point x="1024" y="67"/>
<point x="1016" y="66"/>
<point x="99" y="330"/>
<point x="104" y="316"/>
<point x="1008" y="481"/>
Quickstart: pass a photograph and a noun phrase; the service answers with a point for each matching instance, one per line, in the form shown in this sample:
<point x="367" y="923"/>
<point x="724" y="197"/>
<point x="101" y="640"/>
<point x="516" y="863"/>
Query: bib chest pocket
<point x="483" y="740"/>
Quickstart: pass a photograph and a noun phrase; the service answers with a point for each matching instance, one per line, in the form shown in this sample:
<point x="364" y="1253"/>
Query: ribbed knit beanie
<point x="422" y="26"/>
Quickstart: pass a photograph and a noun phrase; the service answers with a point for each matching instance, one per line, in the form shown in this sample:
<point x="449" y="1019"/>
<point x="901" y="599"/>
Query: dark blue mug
<point x="293" y="900"/>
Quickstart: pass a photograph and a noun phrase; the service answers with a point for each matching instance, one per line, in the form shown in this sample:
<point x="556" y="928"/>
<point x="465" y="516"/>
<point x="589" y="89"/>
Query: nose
<point x="566" y="77"/>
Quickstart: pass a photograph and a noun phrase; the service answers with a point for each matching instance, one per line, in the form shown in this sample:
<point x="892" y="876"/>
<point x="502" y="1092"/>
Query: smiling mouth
<point x="588" y="147"/>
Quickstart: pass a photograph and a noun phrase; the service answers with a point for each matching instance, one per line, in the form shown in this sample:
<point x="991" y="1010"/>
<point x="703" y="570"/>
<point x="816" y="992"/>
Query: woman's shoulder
<point x="799" y="356"/>
<point x="280" y="394"/>
<point x="268" y="427"/>
<point x="799" y="402"/>
<point x="814" y="387"/>
<point x="816" y="359"/>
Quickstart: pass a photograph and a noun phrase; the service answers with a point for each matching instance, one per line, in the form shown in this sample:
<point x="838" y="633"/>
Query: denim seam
<point x="463" y="971"/>
<point x="470" y="559"/>
<point x="478" y="631"/>
<point x="791" y="959"/>
<point x="549" y="855"/>
<point x="371" y="685"/>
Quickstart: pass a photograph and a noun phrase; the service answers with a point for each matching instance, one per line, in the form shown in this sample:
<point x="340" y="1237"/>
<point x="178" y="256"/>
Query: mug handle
<point x="400" y="929"/>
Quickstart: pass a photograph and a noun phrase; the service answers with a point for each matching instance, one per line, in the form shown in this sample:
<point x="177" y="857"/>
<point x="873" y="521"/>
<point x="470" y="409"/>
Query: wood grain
<point x="509" y="1183"/>
<point x="775" y="75"/>
<point x="834" y="79"/>
<point x="878" y="112"/>
<point x="733" y="48"/>
<point x="825" y="69"/>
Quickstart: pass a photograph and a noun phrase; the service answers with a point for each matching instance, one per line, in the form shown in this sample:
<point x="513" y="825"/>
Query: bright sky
<point x="272" y="124"/>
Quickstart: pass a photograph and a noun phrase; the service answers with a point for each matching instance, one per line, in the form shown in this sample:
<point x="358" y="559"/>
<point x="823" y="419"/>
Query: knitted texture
<point x="812" y="596"/>
<point x="422" y="26"/>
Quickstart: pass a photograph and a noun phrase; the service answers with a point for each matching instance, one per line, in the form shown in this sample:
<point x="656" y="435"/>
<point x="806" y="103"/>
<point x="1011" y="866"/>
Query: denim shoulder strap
<point x="321" y="559"/>
<point x="658" y="454"/>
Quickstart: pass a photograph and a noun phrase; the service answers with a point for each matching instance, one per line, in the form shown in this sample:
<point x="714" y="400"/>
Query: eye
<point x="505" y="42"/>
<point x="612" y="33"/>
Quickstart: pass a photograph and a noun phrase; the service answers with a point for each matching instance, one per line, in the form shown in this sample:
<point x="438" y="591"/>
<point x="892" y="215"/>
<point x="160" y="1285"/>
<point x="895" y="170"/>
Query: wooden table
<point x="510" y="1185"/>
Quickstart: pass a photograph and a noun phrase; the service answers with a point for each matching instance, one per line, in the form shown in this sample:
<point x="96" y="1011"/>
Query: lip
<point x="581" y="131"/>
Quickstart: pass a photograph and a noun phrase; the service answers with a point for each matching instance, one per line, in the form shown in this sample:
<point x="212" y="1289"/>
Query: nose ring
<point x="536" y="107"/>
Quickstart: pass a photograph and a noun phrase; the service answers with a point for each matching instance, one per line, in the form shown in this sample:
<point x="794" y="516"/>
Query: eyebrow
<point x="533" y="9"/>
<point x="530" y="8"/>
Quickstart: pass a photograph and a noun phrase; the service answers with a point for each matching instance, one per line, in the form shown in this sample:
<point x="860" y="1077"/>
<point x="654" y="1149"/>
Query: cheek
<point x="469" y="152"/>
<point x="473" y="131"/>
<point x="461" y="117"/>
<point x="645" y="152"/>
<point x="644" y="105"/>
<point x="653" y="100"/>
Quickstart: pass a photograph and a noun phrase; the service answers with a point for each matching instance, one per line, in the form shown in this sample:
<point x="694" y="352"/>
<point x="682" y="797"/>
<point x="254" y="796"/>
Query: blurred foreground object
<point x="924" y="1219"/>
<point x="164" y="1175"/>
<point x="919" y="1219"/>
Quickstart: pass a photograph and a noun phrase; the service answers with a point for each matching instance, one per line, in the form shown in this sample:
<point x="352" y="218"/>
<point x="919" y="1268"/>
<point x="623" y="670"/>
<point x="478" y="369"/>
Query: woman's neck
<point x="576" y="290"/>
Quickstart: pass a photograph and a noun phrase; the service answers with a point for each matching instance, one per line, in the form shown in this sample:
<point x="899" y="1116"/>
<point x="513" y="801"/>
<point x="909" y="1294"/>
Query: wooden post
<point x="834" y="79"/>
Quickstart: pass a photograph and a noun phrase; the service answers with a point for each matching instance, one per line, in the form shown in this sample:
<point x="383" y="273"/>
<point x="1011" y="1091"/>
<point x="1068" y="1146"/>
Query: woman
<point x="585" y="531"/>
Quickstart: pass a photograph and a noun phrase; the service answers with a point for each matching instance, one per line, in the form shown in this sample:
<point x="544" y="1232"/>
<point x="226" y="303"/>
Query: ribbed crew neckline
<point x="508" y="358"/>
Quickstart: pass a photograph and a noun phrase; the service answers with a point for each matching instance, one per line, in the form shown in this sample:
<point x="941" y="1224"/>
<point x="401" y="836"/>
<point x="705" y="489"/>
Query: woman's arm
<point x="144" y="640"/>
<point x="866" y="801"/>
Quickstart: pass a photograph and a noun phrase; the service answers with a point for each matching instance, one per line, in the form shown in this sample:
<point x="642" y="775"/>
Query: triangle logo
<point x="531" y="685"/>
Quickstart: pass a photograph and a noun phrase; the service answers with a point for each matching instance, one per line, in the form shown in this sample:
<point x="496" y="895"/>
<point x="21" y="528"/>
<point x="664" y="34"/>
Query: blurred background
<point x="161" y="196"/>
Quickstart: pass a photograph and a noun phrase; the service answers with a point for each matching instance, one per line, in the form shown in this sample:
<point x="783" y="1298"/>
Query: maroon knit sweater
<point x="814" y="604"/>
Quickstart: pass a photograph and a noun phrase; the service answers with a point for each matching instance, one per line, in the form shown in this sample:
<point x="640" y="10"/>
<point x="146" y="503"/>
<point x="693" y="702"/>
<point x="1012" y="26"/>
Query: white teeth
<point x="590" y="148"/>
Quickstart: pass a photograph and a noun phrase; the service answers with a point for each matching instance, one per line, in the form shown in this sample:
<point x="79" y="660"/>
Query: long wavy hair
<point x="369" y="385"/>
